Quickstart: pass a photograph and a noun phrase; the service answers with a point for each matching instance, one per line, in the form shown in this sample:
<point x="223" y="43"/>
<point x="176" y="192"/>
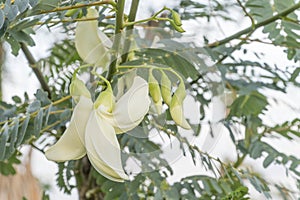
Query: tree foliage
<point x="36" y="121"/>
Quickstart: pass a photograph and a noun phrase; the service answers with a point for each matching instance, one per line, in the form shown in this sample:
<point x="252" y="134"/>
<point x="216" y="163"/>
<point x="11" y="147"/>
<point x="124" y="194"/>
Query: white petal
<point x="103" y="148"/>
<point x="90" y="42"/>
<point x="125" y="82"/>
<point x="131" y="107"/>
<point x="71" y="144"/>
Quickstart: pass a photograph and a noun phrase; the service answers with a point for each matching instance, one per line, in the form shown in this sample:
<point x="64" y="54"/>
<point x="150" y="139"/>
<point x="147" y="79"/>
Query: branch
<point x="131" y="18"/>
<point x="254" y="27"/>
<point x="117" y="40"/>
<point x="110" y="2"/>
<point x="246" y="13"/>
<point x="36" y="70"/>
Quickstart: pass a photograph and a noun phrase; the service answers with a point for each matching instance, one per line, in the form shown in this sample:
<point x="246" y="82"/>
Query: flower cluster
<point x="94" y="125"/>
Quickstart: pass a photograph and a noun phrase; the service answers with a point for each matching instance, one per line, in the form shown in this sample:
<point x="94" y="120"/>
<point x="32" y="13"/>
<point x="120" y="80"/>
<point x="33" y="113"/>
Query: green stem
<point x="255" y="26"/>
<point x="153" y="17"/>
<point x="131" y="18"/>
<point x="98" y="3"/>
<point x="239" y="161"/>
<point x="117" y="40"/>
<point x="34" y="66"/>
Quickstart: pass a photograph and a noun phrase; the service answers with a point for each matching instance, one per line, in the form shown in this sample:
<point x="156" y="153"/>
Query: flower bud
<point x="78" y="88"/>
<point x="176" y="107"/>
<point x="155" y="92"/>
<point x="166" y="88"/>
<point x="106" y="98"/>
<point x="176" y="18"/>
<point x="177" y="28"/>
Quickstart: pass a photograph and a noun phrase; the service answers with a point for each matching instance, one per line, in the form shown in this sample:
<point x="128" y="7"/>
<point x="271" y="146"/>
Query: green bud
<point x="71" y="12"/>
<point x="180" y="93"/>
<point x="78" y="88"/>
<point x="176" y="18"/>
<point x="166" y="88"/>
<point x="176" y="107"/>
<point x="155" y="92"/>
<point x="177" y="28"/>
<point x="154" y="88"/>
<point x="106" y="98"/>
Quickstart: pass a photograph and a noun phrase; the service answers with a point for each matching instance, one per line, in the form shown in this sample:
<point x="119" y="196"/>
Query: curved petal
<point x="90" y="42"/>
<point x="131" y="107"/>
<point x="71" y="144"/>
<point x="103" y="148"/>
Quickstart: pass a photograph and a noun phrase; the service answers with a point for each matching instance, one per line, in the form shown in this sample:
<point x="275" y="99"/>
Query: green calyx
<point x="106" y="98"/>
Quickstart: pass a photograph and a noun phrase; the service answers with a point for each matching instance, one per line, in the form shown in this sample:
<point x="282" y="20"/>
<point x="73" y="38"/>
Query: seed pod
<point x="78" y="88"/>
<point x="166" y="88"/>
<point x="106" y="98"/>
<point x="177" y="28"/>
<point x="176" y="18"/>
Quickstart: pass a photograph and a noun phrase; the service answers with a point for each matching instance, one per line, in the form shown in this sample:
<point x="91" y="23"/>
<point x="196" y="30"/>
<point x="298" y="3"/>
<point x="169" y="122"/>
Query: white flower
<point x="93" y="129"/>
<point x="92" y="44"/>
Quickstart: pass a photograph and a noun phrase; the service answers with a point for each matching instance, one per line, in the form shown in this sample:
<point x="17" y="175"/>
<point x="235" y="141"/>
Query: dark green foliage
<point x="64" y="174"/>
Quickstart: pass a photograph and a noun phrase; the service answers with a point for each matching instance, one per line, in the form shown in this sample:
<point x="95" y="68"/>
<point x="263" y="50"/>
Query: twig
<point x="33" y="64"/>
<point x="131" y="18"/>
<point x="255" y="26"/>
<point x="246" y="13"/>
<point x="98" y="3"/>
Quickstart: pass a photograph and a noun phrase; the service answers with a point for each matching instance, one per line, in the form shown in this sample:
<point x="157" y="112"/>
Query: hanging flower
<point x="93" y="127"/>
<point x="92" y="44"/>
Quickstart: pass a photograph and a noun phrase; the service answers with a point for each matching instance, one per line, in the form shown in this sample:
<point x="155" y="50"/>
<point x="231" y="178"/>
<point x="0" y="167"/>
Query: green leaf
<point x="17" y="99"/>
<point x="22" y="36"/>
<point x="42" y="96"/>
<point x="3" y="140"/>
<point x="33" y="2"/>
<point x="14" y="44"/>
<point x="14" y="136"/>
<point x="11" y="11"/>
<point x="38" y="123"/>
<point x="260" y="9"/>
<point x="7" y="167"/>
<point x="33" y="107"/>
<point x="2" y="18"/>
<point x="47" y="114"/>
<point x="22" y="5"/>
<point x="65" y="115"/>
<point x="44" y="5"/>
<point x="23" y="130"/>
<point x="249" y="104"/>
<point x="268" y="160"/>
<point x="167" y="58"/>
